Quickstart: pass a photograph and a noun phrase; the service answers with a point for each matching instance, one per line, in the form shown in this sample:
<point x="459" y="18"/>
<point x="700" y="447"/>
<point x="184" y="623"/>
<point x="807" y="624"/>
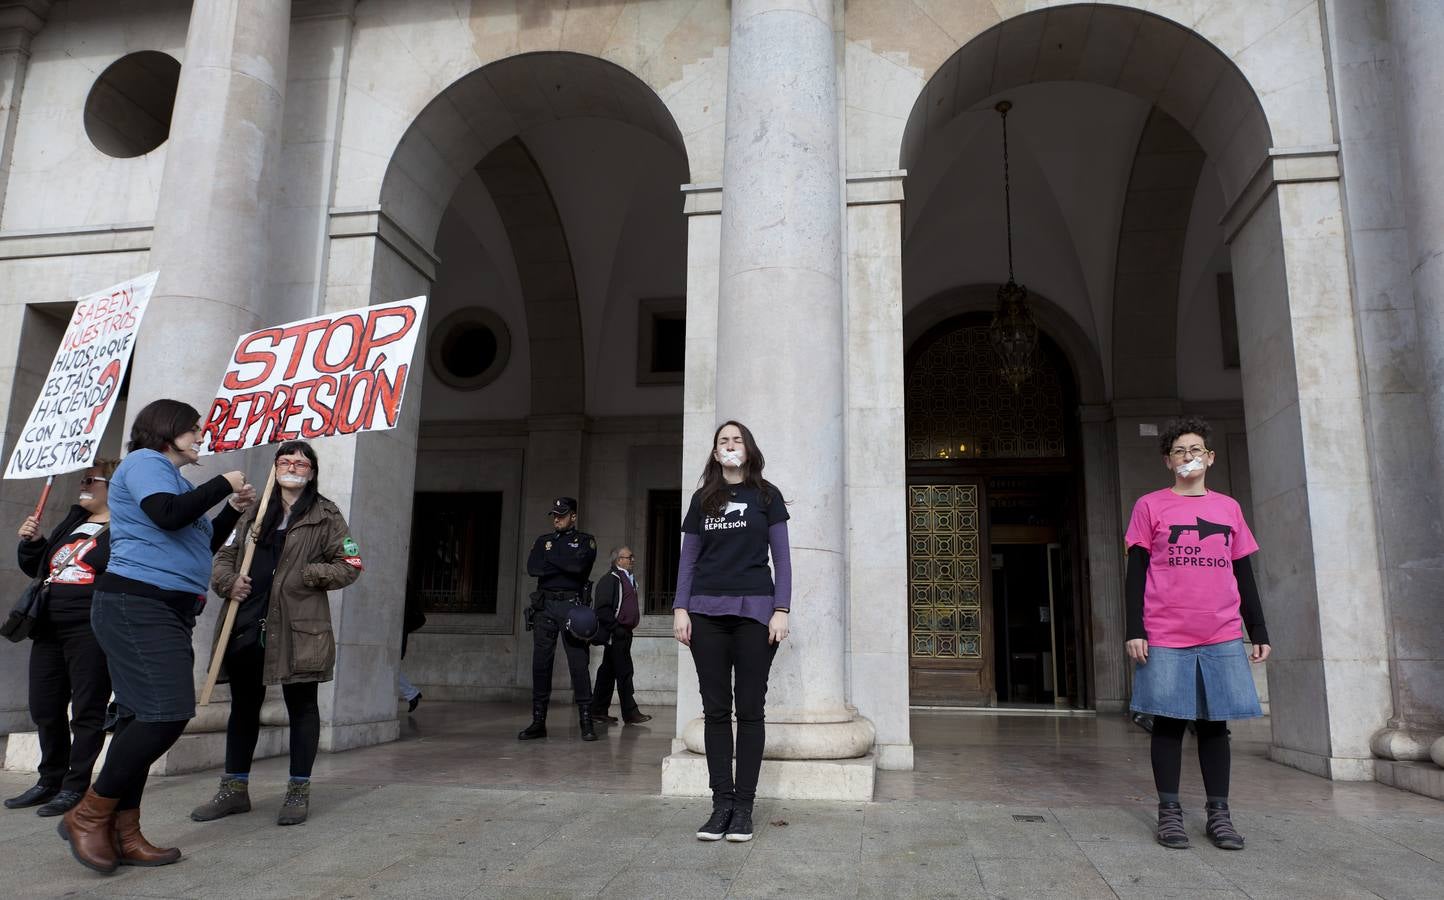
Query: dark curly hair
<point x="1173" y="429"/>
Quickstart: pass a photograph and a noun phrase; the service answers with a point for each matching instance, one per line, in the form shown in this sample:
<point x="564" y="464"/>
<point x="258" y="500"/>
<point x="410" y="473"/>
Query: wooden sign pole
<point x="252" y="535"/>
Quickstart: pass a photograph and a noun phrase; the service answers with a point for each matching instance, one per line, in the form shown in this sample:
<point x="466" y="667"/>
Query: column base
<point x="799" y="740"/>
<point x="1417" y="777"/>
<point x="684" y="774"/>
<point x="895" y="757"/>
<point x="335" y="738"/>
<point x="194" y="752"/>
<point x="1334" y="768"/>
<point x="1403" y="744"/>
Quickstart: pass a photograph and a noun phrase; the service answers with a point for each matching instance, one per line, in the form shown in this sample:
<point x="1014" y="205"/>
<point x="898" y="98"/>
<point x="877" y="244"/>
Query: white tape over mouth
<point x="86" y="496"/>
<point x="1191" y="467"/>
<point x="732" y="458"/>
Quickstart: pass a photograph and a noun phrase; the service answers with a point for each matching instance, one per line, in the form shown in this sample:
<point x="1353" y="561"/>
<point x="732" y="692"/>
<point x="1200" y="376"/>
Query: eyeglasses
<point x="295" y="465"/>
<point x="1190" y="453"/>
<point x="92" y="479"/>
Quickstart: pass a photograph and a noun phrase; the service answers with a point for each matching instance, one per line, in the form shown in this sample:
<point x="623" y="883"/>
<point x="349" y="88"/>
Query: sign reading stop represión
<point x="329" y="375"/>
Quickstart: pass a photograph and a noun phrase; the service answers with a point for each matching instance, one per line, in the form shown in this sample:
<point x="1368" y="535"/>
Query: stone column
<point x="211" y="239"/>
<point x="1110" y="677"/>
<point x="780" y="369"/>
<point x="1416" y="29"/>
<point x="20" y="20"/>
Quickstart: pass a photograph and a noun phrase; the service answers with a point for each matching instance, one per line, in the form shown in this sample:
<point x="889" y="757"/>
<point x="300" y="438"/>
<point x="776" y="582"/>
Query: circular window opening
<point x="128" y="111"/>
<point x="470" y="348"/>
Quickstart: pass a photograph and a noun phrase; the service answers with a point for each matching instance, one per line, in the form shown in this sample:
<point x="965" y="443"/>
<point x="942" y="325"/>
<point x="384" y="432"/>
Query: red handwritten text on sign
<point x="334" y="374"/>
<point x="78" y="396"/>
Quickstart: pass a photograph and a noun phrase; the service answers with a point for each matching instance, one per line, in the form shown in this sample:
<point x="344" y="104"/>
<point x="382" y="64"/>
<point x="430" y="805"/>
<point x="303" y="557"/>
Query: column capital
<point x="21" y="20"/>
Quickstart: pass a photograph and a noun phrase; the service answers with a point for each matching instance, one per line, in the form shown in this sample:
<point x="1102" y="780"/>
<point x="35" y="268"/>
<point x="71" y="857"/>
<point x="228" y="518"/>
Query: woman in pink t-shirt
<point x="1190" y="592"/>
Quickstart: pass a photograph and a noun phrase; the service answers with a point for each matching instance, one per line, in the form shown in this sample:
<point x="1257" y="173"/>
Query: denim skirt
<point x="148" y="648"/>
<point x="1210" y="682"/>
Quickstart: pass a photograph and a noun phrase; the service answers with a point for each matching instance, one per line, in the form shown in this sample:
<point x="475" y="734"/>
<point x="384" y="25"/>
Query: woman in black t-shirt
<point x="732" y="615"/>
<point x="67" y="666"/>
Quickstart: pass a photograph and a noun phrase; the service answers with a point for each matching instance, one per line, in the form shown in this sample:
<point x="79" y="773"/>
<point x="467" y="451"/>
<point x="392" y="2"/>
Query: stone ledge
<point x="194" y="752"/>
<point x="1417" y="777"/>
<point x="1334" y="768"/>
<point x="684" y="774"/>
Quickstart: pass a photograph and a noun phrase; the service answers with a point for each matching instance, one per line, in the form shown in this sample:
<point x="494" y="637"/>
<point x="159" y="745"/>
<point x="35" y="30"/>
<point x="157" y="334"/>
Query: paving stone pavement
<point x="426" y="840"/>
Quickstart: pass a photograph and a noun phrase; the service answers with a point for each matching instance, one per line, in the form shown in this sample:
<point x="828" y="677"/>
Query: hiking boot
<point x="131" y="847"/>
<point x="716" y="825"/>
<point x="63" y="803"/>
<point x="538" y="726"/>
<point x="90" y="830"/>
<point x="35" y="796"/>
<point x="296" y="805"/>
<point x="739" y="830"/>
<point x="1220" y="827"/>
<point x="584" y="715"/>
<point x="232" y="797"/>
<point x="1170" y="826"/>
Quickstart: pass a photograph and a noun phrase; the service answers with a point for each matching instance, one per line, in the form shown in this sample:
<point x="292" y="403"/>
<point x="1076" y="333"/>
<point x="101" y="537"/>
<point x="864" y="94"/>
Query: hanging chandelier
<point x="1013" y="333"/>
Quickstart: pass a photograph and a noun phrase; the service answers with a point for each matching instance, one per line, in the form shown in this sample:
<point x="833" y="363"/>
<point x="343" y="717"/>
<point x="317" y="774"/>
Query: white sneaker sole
<point x="708" y="836"/>
<point x="739" y="838"/>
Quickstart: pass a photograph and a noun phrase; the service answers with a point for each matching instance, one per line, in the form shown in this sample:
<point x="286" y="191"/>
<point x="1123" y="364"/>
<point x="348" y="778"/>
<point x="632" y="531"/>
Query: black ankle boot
<point x="538" y="726"/>
<point x="716" y="825"/>
<point x="584" y="714"/>
<point x="739" y="830"/>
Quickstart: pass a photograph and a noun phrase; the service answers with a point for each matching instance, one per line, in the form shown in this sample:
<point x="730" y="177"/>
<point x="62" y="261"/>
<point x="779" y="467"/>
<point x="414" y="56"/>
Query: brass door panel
<point x="949" y="622"/>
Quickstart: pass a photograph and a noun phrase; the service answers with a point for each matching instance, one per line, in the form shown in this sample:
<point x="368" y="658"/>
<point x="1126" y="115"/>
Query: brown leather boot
<point x="132" y="847"/>
<point x="89" y="830"/>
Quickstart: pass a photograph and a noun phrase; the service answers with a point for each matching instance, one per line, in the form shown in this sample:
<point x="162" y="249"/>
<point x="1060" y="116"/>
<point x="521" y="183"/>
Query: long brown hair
<point x="714" y="487"/>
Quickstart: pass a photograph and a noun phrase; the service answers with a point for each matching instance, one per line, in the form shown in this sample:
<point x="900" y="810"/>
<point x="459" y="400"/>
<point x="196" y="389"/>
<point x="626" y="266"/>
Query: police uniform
<point x="561" y="562"/>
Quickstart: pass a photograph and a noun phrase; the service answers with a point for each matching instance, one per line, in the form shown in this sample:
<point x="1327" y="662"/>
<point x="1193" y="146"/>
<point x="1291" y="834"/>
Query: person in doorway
<point x="618" y="613"/>
<point x="733" y="613"/>
<point x="143" y="611"/>
<point x="67" y="667"/>
<point x="282" y="633"/>
<point x="412" y="619"/>
<point x="1190" y="591"/>
<point x="561" y="561"/>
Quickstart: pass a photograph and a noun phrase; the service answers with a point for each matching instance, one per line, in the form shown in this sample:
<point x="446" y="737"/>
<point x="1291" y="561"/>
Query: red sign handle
<point x="44" y="495"/>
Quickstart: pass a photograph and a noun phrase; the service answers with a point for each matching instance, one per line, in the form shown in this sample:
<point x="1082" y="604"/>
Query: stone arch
<point x="1175" y="68"/>
<point x="499" y="101"/>
<point x="1053" y="320"/>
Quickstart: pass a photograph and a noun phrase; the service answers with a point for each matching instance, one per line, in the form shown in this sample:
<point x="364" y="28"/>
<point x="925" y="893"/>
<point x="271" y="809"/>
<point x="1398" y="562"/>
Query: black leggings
<point x="724" y="646"/>
<point x="1213" y="755"/>
<point x="135" y="746"/>
<point x="248" y="691"/>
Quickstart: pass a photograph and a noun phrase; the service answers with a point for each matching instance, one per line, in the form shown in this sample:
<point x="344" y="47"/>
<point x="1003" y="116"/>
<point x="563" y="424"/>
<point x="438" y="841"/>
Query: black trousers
<point x="246" y="668"/>
<point x="730" y="649"/>
<point x="616" y="670"/>
<point x="67" y="668"/>
<point x="547" y="627"/>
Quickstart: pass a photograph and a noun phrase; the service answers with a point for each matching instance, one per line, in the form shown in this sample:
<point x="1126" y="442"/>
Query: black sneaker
<point x="740" y="829"/>
<point x="62" y="804"/>
<point x="716" y="826"/>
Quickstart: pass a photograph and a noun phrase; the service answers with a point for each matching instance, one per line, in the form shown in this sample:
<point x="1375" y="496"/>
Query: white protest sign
<point x="75" y="403"/>
<point x="338" y="373"/>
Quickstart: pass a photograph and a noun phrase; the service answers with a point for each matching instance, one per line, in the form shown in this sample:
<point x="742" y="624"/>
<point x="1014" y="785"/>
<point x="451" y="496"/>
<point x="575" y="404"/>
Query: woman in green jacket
<point x="282" y="633"/>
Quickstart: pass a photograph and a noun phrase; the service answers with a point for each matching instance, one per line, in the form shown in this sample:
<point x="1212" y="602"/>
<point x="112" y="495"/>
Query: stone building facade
<point x="635" y="218"/>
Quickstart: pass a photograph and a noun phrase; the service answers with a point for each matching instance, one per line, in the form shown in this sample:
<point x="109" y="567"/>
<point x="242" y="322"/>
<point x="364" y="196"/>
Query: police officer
<point x="561" y="561"/>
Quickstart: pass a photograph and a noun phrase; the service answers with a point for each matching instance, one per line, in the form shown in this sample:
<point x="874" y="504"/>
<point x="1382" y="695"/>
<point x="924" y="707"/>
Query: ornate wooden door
<point x="949" y="619"/>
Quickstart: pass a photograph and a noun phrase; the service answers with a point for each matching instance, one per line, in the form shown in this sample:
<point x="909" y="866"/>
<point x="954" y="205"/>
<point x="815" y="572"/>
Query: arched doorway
<point x="996" y="606"/>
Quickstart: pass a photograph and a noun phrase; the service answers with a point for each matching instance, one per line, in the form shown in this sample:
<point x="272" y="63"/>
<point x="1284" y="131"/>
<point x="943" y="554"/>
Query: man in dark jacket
<point x="619" y="613"/>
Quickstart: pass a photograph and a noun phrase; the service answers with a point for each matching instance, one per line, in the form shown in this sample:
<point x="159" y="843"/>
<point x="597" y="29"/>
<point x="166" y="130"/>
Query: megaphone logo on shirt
<point x="1204" y="528"/>
<point x="735" y="507"/>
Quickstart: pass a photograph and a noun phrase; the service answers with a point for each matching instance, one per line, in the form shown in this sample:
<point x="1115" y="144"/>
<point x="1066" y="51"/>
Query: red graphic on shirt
<point x="68" y="565"/>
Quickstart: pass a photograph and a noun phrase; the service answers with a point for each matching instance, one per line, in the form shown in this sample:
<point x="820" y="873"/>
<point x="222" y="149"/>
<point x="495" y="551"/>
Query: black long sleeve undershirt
<point x="1250" y="605"/>
<point x="175" y="511"/>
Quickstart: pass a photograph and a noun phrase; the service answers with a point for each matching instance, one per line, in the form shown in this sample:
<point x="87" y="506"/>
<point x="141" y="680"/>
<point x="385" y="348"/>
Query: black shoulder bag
<point x="28" y="610"/>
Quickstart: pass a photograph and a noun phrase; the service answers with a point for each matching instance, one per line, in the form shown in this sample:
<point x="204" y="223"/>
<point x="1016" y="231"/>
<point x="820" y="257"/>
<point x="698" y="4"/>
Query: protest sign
<point x="329" y="375"/>
<point x="78" y="396"/>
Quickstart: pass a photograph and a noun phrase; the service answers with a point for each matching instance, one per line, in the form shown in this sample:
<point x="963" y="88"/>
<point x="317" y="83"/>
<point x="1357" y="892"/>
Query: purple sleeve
<point x="781" y="566"/>
<point x="686" y="566"/>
